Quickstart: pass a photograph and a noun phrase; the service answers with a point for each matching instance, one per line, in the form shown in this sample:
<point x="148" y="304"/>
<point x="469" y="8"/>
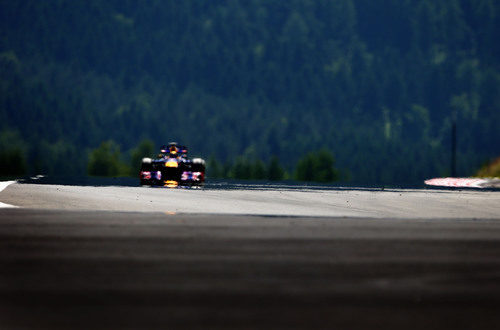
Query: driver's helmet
<point x="173" y="150"/>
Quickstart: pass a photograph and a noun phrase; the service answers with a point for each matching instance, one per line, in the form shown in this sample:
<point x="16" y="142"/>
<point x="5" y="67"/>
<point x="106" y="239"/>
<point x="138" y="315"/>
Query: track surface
<point x="432" y="261"/>
<point x="278" y="202"/>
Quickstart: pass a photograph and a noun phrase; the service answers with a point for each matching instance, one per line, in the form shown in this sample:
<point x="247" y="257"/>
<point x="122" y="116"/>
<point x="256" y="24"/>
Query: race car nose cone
<point x="171" y="164"/>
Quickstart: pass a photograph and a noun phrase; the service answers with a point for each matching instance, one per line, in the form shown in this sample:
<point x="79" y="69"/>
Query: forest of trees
<point x="375" y="83"/>
<point x="106" y="160"/>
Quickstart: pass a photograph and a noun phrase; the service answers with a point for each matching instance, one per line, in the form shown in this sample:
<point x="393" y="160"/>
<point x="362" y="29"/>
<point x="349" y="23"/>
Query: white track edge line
<point x="3" y="185"/>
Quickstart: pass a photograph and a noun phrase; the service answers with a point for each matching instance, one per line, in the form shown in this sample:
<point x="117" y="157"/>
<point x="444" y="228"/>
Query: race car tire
<point x="146" y="164"/>
<point x="198" y="165"/>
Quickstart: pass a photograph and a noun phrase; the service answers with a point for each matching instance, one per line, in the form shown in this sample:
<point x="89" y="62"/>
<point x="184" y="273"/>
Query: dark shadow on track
<point x="126" y="270"/>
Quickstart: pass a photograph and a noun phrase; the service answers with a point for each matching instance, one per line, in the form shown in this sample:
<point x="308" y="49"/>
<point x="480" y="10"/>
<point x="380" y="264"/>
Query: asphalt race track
<point x="275" y="201"/>
<point x="141" y="258"/>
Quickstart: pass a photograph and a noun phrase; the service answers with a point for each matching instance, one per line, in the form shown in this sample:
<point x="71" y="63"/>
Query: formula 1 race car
<point x="172" y="168"/>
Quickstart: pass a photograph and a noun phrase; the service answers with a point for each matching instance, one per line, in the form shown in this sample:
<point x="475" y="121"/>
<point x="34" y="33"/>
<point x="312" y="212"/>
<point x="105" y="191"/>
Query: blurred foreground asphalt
<point x="80" y="269"/>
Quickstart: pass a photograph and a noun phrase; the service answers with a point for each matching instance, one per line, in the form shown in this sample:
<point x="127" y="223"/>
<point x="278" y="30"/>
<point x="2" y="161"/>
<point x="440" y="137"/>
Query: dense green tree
<point x="59" y="158"/>
<point x="491" y="169"/>
<point x="144" y="149"/>
<point x="105" y="161"/>
<point x="317" y="166"/>
<point x="214" y="168"/>
<point x="274" y="171"/>
<point x="258" y="170"/>
<point x="12" y="154"/>
<point x="241" y="169"/>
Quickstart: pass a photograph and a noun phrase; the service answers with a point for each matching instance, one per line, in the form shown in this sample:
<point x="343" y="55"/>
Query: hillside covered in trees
<point x="377" y="83"/>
